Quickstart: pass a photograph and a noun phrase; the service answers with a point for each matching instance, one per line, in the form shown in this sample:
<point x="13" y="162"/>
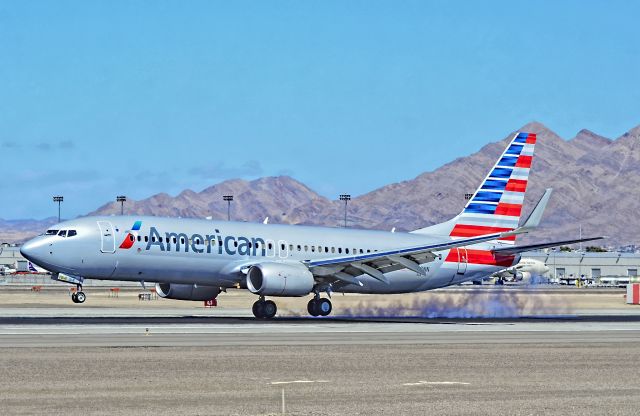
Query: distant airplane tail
<point x="497" y="204"/>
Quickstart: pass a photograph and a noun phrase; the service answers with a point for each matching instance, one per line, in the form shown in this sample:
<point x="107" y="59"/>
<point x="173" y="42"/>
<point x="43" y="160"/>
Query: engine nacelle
<point x="186" y="292"/>
<point x="279" y="279"/>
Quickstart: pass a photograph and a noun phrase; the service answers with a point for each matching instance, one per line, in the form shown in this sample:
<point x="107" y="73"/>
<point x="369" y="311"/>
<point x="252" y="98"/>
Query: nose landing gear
<point x="264" y="309"/>
<point x="78" y="296"/>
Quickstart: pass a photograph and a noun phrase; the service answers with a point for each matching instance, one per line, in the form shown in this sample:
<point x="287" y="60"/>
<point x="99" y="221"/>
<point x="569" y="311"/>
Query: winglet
<point x="533" y="220"/>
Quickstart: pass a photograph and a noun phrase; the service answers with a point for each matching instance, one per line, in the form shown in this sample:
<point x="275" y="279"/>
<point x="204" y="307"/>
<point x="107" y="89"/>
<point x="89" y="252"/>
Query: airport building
<point x="592" y="267"/>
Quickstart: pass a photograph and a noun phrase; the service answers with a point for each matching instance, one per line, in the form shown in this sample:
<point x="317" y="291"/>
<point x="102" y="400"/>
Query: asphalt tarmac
<point x="157" y="360"/>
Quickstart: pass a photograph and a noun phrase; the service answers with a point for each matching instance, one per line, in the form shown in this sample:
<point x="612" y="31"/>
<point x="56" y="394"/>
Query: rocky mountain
<point x="595" y="181"/>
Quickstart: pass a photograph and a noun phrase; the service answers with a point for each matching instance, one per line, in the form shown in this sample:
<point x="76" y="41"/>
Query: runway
<point x="123" y="357"/>
<point x="201" y="331"/>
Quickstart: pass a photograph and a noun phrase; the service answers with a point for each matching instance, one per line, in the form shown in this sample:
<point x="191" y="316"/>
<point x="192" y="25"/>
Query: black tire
<point x="312" y="308"/>
<point x="324" y="306"/>
<point x="270" y="309"/>
<point x="80" y="297"/>
<point x="74" y="298"/>
<point x="258" y="309"/>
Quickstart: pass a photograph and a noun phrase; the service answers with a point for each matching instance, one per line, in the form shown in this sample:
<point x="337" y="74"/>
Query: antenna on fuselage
<point x="266" y="220"/>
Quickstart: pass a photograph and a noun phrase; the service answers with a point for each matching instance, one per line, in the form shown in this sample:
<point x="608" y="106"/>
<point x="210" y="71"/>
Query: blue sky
<point x="139" y="97"/>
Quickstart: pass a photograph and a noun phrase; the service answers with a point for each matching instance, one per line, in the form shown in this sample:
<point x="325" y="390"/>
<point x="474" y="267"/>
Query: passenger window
<point x="146" y="238"/>
<point x="313" y="249"/>
<point x="360" y="251"/>
<point x="282" y="247"/>
<point x="368" y="251"/>
<point x="71" y="233"/>
<point x="235" y="243"/>
<point x="299" y="247"/>
<point x="270" y="246"/>
<point x="326" y="249"/>
<point x="175" y="240"/>
<point x="139" y="238"/>
<point x="132" y="238"/>
<point x="306" y="248"/>
<point x="333" y="249"/>
<point x="62" y="233"/>
<point x="339" y="250"/>
<point x="153" y="239"/>
<point x="290" y="247"/>
<point x="346" y="250"/>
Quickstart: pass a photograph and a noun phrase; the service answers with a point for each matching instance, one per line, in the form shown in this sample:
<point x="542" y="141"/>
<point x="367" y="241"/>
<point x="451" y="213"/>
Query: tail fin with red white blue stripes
<point x="497" y="204"/>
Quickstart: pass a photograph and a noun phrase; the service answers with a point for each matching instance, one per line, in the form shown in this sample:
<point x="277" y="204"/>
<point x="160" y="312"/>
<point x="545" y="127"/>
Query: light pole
<point x="228" y="198"/>
<point x="122" y="199"/>
<point x="346" y="198"/>
<point x="59" y="200"/>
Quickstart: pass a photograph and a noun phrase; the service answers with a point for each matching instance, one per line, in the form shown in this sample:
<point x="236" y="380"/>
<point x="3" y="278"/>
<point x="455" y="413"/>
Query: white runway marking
<point x="437" y="383"/>
<point x="298" y="382"/>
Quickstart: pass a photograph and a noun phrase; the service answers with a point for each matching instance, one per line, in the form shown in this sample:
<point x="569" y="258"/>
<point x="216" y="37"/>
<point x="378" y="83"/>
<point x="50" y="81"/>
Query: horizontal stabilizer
<point x="520" y="249"/>
<point x="533" y="220"/>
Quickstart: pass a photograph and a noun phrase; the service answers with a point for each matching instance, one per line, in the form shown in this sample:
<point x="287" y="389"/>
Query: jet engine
<point x="279" y="279"/>
<point x="186" y="292"/>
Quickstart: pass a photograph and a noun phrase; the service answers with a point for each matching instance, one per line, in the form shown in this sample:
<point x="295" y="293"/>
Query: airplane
<point x="196" y="259"/>
<point x="6" y="270"/>
<point x="523" y="271"/>
<point x="35" y="269"/>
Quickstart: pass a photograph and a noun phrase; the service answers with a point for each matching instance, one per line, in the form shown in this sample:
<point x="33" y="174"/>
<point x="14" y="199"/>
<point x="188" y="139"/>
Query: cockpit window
<point x="71" y="233"/>
<point x="62" y="233"/>
<point x="51" y="232"/>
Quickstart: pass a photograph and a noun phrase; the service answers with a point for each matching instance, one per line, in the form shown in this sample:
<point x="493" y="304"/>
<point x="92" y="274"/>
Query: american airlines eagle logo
<point x="132" y="234"/>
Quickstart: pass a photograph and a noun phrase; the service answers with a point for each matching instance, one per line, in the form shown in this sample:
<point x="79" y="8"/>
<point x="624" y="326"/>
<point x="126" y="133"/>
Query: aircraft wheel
<point x="74" y="298"/>
<point x="258" y="309"/>
<point x="269" y="309"/>
<point x="324" y="306"/>
<point x="312" y="308"/>
<point x="81" y="297"/>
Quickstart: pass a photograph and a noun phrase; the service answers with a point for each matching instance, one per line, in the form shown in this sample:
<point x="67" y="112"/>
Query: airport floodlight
<point x="59" y="200"/>
<point x="346" y="198"/>
<point x="228" y="198"/>
<point x="122" y="199"/>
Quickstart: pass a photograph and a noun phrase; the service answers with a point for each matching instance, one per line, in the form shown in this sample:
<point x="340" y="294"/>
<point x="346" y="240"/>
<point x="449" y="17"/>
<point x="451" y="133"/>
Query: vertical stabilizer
<point x="497" y="204"/>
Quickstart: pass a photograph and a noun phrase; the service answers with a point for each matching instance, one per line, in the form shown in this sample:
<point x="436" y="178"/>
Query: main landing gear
<point x="78" y="296"/>
<point x="319" y="306"/>
<point x="264" y="309"/>
<point x="267" y="309"/>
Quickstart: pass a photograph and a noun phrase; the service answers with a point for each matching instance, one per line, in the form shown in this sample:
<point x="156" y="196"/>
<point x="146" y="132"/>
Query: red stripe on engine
<point x="513" y="210"/>
<point x="466" y="230"/>
<point x="484" y="257"/>
<point x="524" y="161"/>
<point x="531" y="139"/>
<point x="516" y="185"/>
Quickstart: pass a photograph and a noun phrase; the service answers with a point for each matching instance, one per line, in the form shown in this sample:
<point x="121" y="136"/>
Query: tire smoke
<point x="498" y="303"/>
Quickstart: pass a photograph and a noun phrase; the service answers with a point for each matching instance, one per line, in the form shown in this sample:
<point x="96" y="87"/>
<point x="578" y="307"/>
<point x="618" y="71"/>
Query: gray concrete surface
<point x="325" y="367"/>
<point x="123" y="357"/>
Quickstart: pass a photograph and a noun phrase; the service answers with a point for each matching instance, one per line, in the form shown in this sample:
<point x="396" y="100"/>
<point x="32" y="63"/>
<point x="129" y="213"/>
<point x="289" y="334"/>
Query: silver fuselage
<point x="213" y="253"/>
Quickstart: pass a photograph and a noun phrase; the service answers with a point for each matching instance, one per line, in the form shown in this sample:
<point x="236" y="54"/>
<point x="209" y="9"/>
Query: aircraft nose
<point x="31" y="250"/>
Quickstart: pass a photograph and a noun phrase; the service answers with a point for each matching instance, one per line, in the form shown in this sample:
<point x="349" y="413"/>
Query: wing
<point x="521" y="249"/>
<point x="347" y="268"/>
